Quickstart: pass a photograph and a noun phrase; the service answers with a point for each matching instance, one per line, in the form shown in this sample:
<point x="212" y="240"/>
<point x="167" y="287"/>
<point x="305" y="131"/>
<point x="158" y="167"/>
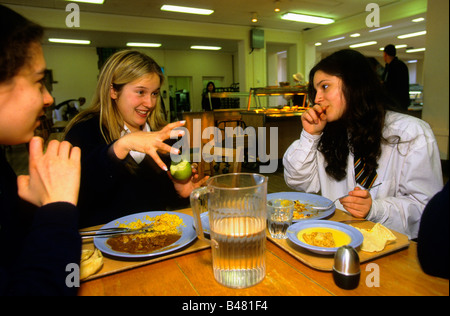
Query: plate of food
<point x="170" y="232"/>
<point x="303" y="203"/>
<point x="324" y="237"/>
<point x="204" y="217"/>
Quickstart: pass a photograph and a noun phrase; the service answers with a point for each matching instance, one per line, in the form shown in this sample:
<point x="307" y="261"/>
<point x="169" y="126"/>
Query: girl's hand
<point x="358" y="203"/>
<point x="184" y="188"/>
<point x="315" y="119"/>
<point x="54" y="175"/>
<point x="149" y="143"/>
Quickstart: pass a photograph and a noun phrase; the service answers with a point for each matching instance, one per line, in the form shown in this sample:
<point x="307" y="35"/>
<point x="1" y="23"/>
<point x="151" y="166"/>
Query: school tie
<point x="362" y="176"/>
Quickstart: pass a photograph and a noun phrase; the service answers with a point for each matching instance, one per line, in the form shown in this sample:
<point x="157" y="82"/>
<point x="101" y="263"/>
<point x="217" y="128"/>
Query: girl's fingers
<point x="358" y="192"/>
<point x="164" y="148"/>
<point x="36" y="148"/>
<point x="166" y="131"/>
<point x="75" y="154"/>
<point x="23" y="183"/>
<point x="158" y="161"/>
<point x="64" y="149"/>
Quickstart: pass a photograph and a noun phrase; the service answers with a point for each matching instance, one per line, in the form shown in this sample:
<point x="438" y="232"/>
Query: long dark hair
<point x="17" y="34"/>
<point x="359" y="130"/>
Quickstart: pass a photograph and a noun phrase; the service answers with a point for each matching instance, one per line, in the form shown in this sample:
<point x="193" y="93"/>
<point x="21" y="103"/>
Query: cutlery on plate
<point x="114" y="231"/>
<point x="322" y="208"/>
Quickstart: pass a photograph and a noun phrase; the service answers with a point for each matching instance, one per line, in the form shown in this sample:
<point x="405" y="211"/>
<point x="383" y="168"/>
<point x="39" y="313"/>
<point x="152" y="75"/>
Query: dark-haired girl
<point x="351" y="141"/>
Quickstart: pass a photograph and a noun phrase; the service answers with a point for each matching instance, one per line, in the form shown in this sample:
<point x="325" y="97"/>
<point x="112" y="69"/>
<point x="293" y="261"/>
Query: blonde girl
<point x="124" y="142"/>
<point x="122" y="68"/>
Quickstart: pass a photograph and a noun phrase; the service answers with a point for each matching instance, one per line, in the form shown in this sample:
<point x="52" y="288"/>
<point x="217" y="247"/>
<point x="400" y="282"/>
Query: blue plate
<point x="187" y="235"/>
<point x="309" y="200"/>
<point x="204" y="217"/>
<point x="355" y="235"/>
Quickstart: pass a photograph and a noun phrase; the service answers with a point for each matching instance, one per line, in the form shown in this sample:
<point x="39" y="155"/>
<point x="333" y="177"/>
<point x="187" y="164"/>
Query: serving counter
<point x="287" y="122"/>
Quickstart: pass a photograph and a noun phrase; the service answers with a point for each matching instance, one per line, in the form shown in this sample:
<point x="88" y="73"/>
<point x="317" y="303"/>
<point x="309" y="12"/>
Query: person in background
<point x="122" y="138"/>
<point x="351" y="141"/>
<point x="34" y="257"/>
<point x="396" y="78"/>
<point x="207" y="100"/>
<point x="433" y="247"/>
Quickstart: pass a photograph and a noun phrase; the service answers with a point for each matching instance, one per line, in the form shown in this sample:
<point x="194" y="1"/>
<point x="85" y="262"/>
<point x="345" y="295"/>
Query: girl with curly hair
<point x="351" y="141"/>
<point x="43" y="203"/>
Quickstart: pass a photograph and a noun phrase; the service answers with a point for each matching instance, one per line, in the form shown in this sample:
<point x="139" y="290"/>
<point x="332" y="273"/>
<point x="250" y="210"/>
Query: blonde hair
<point x="120" y="69"/>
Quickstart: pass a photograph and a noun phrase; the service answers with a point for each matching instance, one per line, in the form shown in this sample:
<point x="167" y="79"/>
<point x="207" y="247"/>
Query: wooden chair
<point x="235" y="140"/>
<point x="197" y="144"/>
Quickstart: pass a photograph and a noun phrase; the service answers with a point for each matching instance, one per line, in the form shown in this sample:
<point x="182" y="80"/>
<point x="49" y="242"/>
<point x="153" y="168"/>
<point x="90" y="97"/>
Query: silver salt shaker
<point x="346" y="269"/>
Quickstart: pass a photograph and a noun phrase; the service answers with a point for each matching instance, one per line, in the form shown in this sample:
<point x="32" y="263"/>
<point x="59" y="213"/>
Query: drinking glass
<point x="279" y="217"/>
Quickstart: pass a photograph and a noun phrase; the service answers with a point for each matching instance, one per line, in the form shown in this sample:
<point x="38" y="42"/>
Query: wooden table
<point x="191" y="275"/>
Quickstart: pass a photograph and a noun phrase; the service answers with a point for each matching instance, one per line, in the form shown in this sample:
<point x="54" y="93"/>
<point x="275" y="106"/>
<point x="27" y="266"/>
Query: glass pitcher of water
<point x="234" y="205"/>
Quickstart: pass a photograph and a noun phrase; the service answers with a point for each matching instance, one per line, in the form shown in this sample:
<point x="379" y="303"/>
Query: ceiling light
<point x="412" y="34"/>
<point x="277" y="6"/>
<point x="206" y="47"/>
<point x="381" y="28"/>
<point x="174" y="8"/>
<point x="418" y="20"/>
<point x="415" y="50"/>
<point x="336" y="39"/>
<point x="88" y="1"/>
<point x="306" y="18"/>
<point x="254" y="17"/>
<point x="355" y="35"/>
<point x="69" y="41"/>
<point x="363" y="44"/>
<point x="412" y="61"/>
<point x="318" y="44"/>
<point x="396" y="46"/>
<point x="134" y="44"/>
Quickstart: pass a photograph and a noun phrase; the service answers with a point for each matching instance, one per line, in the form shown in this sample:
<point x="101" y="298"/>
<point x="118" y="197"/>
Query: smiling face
<point x="22" y="100"/>
<point x="137" y="100"/>
<point x="329" y="95"/>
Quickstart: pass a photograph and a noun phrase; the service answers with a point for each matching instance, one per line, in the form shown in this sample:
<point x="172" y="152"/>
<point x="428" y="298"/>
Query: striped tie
<point x="362" y="176"/>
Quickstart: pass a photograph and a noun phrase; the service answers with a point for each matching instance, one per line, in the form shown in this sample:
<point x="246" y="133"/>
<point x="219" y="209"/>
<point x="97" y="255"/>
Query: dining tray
<point x="113" y="265"/>
<point x="325" y="262"/>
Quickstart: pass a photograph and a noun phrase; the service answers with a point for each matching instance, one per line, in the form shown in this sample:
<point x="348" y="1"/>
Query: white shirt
<point x="137" y="156"/>
<point x="410" y="173"/>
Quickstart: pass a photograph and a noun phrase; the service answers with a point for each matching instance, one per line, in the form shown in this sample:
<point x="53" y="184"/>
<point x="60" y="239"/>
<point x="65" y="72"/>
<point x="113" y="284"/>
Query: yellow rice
<point x="162" y="224"/>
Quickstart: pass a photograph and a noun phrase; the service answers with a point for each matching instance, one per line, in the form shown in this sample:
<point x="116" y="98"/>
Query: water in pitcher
<point x="238" y="250"/>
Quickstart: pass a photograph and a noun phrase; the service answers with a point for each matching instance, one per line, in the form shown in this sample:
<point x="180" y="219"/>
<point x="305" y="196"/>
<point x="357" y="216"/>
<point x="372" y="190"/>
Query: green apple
<point x="181" y="170"/>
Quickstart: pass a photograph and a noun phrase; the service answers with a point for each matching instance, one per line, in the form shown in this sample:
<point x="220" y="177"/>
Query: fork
<point x="323" y="208"/>
<point x="114" y="231"/>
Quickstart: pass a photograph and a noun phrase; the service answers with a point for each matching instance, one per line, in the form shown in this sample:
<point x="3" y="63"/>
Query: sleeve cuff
<point x="57" y="214"/>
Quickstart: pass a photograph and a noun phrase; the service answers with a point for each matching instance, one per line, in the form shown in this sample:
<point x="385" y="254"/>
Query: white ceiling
<point x="238" y="12"/>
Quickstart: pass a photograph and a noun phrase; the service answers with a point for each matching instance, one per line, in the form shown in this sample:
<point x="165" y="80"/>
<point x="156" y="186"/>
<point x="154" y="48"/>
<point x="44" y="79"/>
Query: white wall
<point x="436" y="74"/>
<point x="75" y="68"/>
<point x="197" y="65"/>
